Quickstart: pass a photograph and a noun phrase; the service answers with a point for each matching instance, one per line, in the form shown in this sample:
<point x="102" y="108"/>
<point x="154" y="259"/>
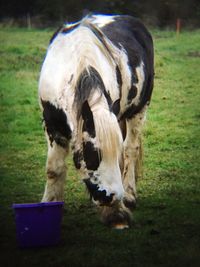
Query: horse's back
<point x="132" y="80"/>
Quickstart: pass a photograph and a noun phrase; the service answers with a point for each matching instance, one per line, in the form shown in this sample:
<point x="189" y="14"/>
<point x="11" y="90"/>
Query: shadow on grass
<point x="165" y="227"/>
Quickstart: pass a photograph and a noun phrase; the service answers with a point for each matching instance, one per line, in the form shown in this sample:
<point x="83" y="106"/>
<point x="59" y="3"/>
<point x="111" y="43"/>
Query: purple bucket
<point x="38" y="224"/>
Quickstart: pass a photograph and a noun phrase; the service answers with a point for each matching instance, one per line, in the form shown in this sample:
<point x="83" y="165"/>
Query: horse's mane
<point x="108" y="133"/>
<point x="90" y="86"/>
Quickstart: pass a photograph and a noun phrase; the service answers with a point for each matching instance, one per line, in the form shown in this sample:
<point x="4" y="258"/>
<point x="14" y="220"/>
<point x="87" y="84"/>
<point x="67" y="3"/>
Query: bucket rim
<point x="37" y="205"/>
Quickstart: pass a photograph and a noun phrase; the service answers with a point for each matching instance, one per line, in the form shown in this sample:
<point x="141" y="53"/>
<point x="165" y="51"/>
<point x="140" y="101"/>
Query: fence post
<point x="28" y="17"/>
<point x="178" y="26"/>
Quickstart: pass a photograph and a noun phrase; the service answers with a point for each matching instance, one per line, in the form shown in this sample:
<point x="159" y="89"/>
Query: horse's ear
<point x="116" y="107"/>
<point x="88" y="121"/>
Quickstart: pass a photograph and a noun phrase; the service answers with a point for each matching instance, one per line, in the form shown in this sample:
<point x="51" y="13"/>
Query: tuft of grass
<point x="166" y="221"/>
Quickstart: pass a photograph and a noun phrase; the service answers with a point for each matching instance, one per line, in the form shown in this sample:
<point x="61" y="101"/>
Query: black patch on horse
<point x="69" y="28"/>
<point x="145" y="98"/>
<point x="119" y="80"/>
<point x="108" y="98"/>
<point x="56" y="124"/>
<point x="132" y="93"/>
<point x="77" y="158"/>
<point x="97" y="194"/>
<point x="64" y="30"/>
<point x="88" y="81"/>
<point x="88" y="121"/>
<point x="116" y="107"/>
<point x="134" y="78"/>
<point x="55" y="34"/>
<point x="129" y="34"/>
<point x="91" y="156"/>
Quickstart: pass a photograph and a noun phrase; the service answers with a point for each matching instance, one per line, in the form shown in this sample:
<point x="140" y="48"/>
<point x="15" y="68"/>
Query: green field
<point x="166" y="226"/>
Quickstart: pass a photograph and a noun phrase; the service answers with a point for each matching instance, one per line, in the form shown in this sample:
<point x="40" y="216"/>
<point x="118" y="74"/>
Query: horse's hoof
<point x="120" y="226"/>
<point x="130" y="202"/>
<point x="116" y="217"/>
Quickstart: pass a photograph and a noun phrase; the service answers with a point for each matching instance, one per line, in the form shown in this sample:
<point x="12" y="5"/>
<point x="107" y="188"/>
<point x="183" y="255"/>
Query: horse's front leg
<point x="56" y="172"/>
<point x="132" y="157"/>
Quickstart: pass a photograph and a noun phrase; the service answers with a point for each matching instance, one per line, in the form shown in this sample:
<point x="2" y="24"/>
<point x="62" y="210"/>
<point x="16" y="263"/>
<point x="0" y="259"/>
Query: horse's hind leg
<point x="56" y="172"/>
<point x="132" y="157"/>
<point x="119" y="216"/>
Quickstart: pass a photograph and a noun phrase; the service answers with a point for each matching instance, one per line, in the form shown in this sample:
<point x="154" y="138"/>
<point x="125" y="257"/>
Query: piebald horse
<point x="94" y="89"/>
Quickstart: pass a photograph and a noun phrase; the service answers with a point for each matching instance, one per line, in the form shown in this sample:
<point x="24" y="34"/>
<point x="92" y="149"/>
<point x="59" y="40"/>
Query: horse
<point x="95" y="86"/>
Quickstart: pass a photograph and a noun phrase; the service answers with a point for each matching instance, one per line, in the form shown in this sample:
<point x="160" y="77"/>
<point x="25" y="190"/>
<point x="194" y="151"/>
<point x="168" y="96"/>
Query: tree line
<point x="161" y="13"/>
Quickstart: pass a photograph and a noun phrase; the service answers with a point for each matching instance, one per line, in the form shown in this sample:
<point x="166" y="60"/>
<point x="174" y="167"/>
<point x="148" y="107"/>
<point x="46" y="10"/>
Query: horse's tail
<point x="139" y="161"/>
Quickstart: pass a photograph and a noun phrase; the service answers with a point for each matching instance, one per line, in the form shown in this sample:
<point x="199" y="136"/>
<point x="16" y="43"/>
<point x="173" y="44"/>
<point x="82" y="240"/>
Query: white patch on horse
<point x="108" y="133"/>
<point x="56" y="173"/>
<point x="71" y="25"/>
<point x="126" y="77"/>
<point x="87" y="138"/>
<point x="102" y="20"/>
<point x="132" y="148"/>
<point x="139" y="84"/>
<point x="59" y="66"/>
<point x="111" y="181"/>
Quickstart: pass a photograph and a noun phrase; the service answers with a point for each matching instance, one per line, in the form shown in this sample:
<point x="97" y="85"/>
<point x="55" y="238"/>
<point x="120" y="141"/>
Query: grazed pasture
<point x="165" y="230"/>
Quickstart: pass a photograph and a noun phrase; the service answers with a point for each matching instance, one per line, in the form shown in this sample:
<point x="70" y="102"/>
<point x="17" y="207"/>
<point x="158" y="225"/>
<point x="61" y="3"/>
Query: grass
<point x="165" y="231"/>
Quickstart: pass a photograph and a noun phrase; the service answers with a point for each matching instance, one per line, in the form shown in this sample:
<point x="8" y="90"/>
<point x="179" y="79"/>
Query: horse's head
<point x="99" y="155"/>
